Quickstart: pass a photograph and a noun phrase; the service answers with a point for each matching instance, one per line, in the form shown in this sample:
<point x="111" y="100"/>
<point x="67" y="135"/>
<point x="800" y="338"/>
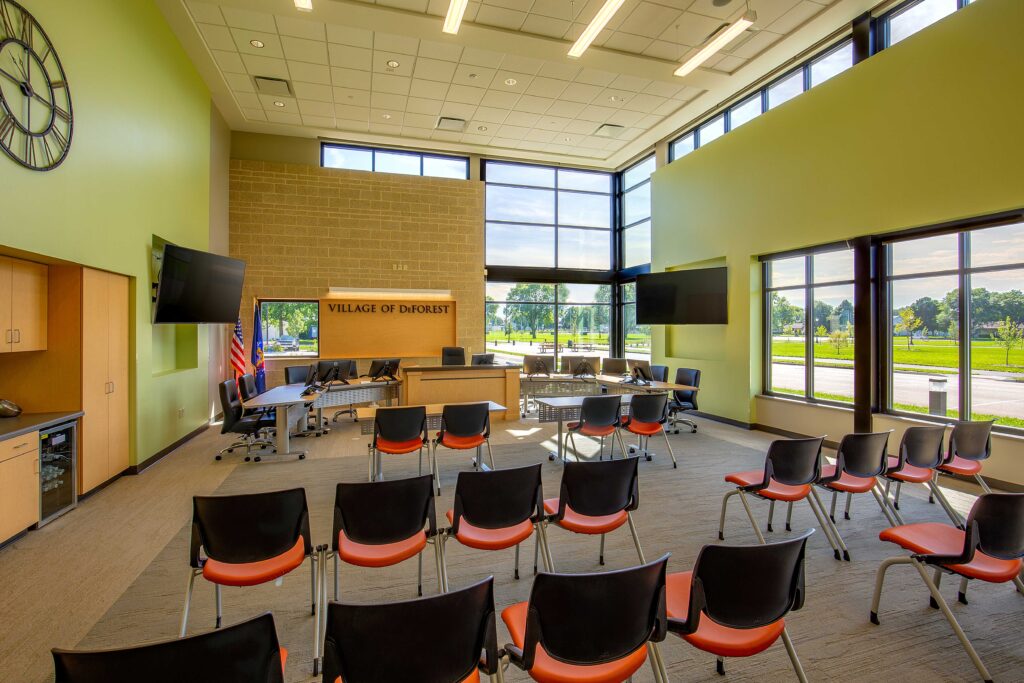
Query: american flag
<point x="238" y="350"/>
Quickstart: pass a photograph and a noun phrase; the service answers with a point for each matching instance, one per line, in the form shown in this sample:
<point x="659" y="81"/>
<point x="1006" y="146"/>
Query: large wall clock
<point x="35" y="104"/>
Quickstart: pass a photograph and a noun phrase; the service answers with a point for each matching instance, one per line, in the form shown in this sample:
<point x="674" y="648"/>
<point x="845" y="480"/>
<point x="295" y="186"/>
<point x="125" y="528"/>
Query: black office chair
<point x="598" y="628"/>
<point x="430" y="640"/>
<point x="248" y="651"/>
<point x="296" y="374"/>
<point x="482" y="359"/>
<point x="247" y="391"/>
<point x="453" y="355"/>
<point x="659" y="373"/>
<point x="683" y="401"/>
<point x="235" y="423"/>
<point x="614" y="366"/>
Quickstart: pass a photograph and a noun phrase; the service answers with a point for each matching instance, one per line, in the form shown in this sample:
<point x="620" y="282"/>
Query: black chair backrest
<point x="338" y="368"/>
<point x="482" y="359"/>
<point x="498" y="499"/>
<point x="382" y="512"/>
<point x="922" y="446"/>
<point x="863" y="455"/>
<point x="538" y="365"/>
<point x="659" y="373"/>
<point x="614" y="366"/>
<point x="995" y="525"/>
<point x="648" y="407"/>
<point x="971" y="440"/>
<point x="249" y="527"/>
<point x="438" y="639"/>
<point x="599" y="488"/>
<point x="748" y="586"/>
<point x="601" y="411"/>
<point x="466" y="419"/>
<point x="230" y="405"/>
<point x="296" y="374"/>
<point x="453" y="355"/>
<point x="689" y="377"/>
<point x="402" y="423"/>
<point x="247" y="387"/>
<point x="794" y="461"/>
<point x="248" y="651"/>
<point x="596" y="618"/>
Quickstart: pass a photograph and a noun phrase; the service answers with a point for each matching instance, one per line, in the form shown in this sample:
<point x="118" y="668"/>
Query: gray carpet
<point x="678" y="514"/>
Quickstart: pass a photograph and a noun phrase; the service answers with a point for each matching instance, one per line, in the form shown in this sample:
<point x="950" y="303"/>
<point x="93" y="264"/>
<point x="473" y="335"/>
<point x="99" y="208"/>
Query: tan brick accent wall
<point x="303" y="229"/>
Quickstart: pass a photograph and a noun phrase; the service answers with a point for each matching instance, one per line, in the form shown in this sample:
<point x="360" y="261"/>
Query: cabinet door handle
<point x="37" y="466"/>
<point x="111" y="387"/>
<point x="8" y="337"/>
<point x="17" y="336"/>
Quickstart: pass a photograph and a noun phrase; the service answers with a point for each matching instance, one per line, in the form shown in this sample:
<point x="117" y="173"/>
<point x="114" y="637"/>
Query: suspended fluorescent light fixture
<point x="453" y="19"/>
<point x="722" y="39"/>
<point x="304" y="5"/>
<point x="596" y="25"/>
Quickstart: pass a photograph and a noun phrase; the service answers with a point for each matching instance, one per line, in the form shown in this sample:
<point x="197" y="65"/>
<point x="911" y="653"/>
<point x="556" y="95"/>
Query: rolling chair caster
<point x="217" y="457"/>
<point x="256" y="459"/>
<point x="648" y="458"/>
<point x="302" y="456"/>
<point x="247" y="458"/>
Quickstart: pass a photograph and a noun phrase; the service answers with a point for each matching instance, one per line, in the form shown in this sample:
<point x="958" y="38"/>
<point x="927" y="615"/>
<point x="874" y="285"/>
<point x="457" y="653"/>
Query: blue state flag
<point x="258" y="362"/>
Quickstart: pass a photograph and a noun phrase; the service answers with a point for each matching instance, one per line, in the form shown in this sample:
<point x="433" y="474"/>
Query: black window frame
<point x="324" y="146"/>
<point x="622" y="227"/>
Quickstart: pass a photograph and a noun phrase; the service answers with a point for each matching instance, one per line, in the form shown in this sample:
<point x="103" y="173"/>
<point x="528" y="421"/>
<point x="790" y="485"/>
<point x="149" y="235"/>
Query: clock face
<point x="35" y="104"/>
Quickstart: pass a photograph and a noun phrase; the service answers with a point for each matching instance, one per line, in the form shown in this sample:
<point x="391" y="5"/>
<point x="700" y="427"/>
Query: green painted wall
<point x="139" y="165"/>
<point x="924" y="132"/>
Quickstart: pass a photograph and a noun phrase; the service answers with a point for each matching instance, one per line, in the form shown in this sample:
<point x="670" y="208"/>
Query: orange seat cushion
<point x="382" y="555"/>
<point x="847" y="482"/>
<point x="591" y="430"/>
<point x="582" y="524"/>
<point x="933" y="538"/>
<point x="711" y="636"/>
<point x="774" y="490"/>
<point x="461" y="442"/>
<point x="641" y="428"/>
<point x="962" y="466"/>
<point x="284" y="658"/>
<point x="490" y="539"/>
<point x="549" y="670"/>
<point x="471" y="678"/>
<point x="398" y="447"/>
<point x="255" y="573"/>
<point x="910" y="473"/>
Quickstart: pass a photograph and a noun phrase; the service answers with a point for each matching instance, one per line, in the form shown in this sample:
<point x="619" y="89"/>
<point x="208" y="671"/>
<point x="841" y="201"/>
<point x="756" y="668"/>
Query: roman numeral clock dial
<point x="35" y="104"/>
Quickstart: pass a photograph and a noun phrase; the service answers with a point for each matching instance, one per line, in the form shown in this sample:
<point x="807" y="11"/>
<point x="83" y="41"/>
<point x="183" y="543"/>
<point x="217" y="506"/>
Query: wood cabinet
<point x="23" y="286"/>
<point x="19" y="484"/>
<point x="105" y="432"/>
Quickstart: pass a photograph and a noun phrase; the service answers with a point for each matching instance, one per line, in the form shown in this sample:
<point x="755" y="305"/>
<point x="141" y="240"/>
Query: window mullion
<point x="809" y="328"/>
<point x="964" y="286"/>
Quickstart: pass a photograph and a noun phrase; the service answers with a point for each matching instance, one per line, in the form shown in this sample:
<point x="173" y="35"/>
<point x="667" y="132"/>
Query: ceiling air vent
<point x="273" y="86"/>
<point x="451" y="124"/>
<point x="609" y="130"/>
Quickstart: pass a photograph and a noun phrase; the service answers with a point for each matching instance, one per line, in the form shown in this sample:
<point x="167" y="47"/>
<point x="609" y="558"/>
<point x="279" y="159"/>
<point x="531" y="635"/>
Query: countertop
<point x="30" y="422"/>
<point x="456" y="368"/>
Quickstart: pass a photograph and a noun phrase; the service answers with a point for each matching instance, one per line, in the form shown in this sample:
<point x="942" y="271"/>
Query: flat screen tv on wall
<point x="683" y="297"/>
<point x="198" y="287"/>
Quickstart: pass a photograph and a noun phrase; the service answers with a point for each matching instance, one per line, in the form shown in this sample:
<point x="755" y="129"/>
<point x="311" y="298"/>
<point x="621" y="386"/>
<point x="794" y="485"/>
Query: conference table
<point x="289" y="404"/>
<point x="562" y="409"/>
<point x="554" y="385"/>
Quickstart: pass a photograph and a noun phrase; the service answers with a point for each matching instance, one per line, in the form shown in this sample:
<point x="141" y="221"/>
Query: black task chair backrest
<point x="249" y="527"/>
<point x="601" y="411"/>
<point x="337" y="368"/>
<point x="689" y="377"/>
<point x="247" y="387"/>
<point x="402" y="423"/>
<point x="596" y="618"/>
<point x="482" y="359"/>
<point x="598" y="488"/>
<point x="863" y="455"/>
<point x="248" y="651"/>
<point x="438" y="639"/>
<point x="230" y="405"/>
<point x="659" y="373"/>
<point x="453" y="355"/>
<point x="794" y="462"/>
<point x="498" y="499"/>
<point x="971" y="440"/>
<point x="466" y="419"/>
<point x="746" y="586"/>
<point x="648" y="407"/>
<point x="296" y="374"/>
<point x="614" y="366"/>
<point x="382" y="512"/>
<point x="922" y="447"/>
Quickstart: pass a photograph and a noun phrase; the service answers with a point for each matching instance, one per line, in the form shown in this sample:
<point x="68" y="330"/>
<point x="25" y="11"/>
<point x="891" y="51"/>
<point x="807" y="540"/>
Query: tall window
<point x="530" y="318"/>
<point x="809" y="325"/>
<point x="914" y="16"/>
<point x="636" y="213"/>
<point x="290" y="328"/>
<point x="956" y="325"/>
<point x="544" y="217"/>
<point x="637" y="338"/>
<point x="393" y="161"/>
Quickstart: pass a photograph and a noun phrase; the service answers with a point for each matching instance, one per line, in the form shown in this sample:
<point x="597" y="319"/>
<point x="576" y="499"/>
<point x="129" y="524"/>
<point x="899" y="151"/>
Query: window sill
<point x="784" y="398"/>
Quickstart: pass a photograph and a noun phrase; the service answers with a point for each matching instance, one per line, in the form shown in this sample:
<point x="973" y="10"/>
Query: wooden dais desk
<point x="439" y="384"/>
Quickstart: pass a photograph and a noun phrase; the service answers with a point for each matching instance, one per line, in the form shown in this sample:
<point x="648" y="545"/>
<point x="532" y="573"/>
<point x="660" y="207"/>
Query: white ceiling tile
<point x="521" y="81"/>
<point x="563" y="72"/>
<point x="511" y="132"/>
<point x="521" y="5"/>
<point x="310" y="73"/>
<point x="688" y="93"/>
<point x="646" y="120"/>
<point x="591" y="142"/>
<point x="385" y="128"/>
<point x="420" y="120"/>
<point x="349" y="57"/>
<point x="758" y="43"/>
<point x="627" y="42"/>
<point x="504" y="100"/>
<point x="557" y="9"/>
<point x="545" y="26"/>
<point x="301" y="28"/>
<point x="458" y="110"/>
<point x="477" y="76"/>
<point x="631" y="133"/>
<point x="421" y="105"/>
<point x="389" y="101"/>
<point x="518" y="118"/>
<point x="481" y="58"/>
<point x="465" y="94"/>
<point x="410" y="5"/>
<point x="595" y="113"/>
<point x="476" y="139"/>
<point x="229" y="62"/>
<point x="710" y="9"/>
<point x="271" y="43"/>
<point x="580" y="127"/>
<point x="595" y="77"/>
<point x="438" y="7"/>
<point x="663" y="89"/>
<point x="205" y="12"/>
<point x="449" y="52"/>
<point x="288" y="104"/>
<point x="552" y="123"/>
<point x="255" y="114"/>
<point x="284" y="117"/>
<point x="446" y="135"/>
<point x="691" y="29"/>
<point x="239" y="82"/>
<point x="313" y="91"/>
<point x="729" y="63"/>
<point x="649" y="20"/>
<point x="660" y="49"/>
<point x="610" y="97"/>
<point x="387" y="117"/>
<point x="491" y="114"/>
<point x="666" y="108"/>
<point x="344" y="111"/>
<point x="387" y="42"/>
<point x="567" y="109"/>
<point x="626" y="118"/>
<point x="526" y="65"/>
<point x="217" y="37"/>
<point x="416" y="132"/>
<point x="248" y="100"/>
<point x="265" y="66"/>
<point x="533" y="104"/>
<point x="500" y="17"/>
<point x="581" y="92"/>
<point x="382" y="63"/>
<point x="254" y="21"/>
<point x="540" y="135"/>
<point x="351" y="78"/>
<point x="352" y="96"/>
<point x="313" y="108"/>
<point x="631" y="83"/>
<point x="643" y="103"/>
<point x="546" y="87"/>
<point x="318" y="121"/>
<point x="434" y="70"/>
<point x="355" y="126"/>
<point x="346" y="35"/>
<point x="431" y="90"/>
<point x="304" y="50"/>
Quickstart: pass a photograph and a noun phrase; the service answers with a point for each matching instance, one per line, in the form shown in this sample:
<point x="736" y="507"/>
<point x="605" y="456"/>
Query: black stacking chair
<point x="659" y="373"/>
<point x="684" y="401"/>
<point x="297" y="374"/>
<point x="445" y="638"/>
<point x="590" y="627"/>
<point x="248" y="651"/>
<point x="247" y="391"/>
<point x="498" y="510"/>
<point x="383" y="523"/>
<point x="464" y="426"/>
<point x="647" y="417"/>
<point x="248" y="540"/>
<point x="235" y="422"/>
<point x="397" y="431"/>
<point x="734" y="601"/>
<point x="919" y="457"/>
<point x="453" y="355"/>
<point x="990" y="550"/>
<point x="791" y="468"/>
<point x="969" y="444"/>
<point x="597" y="498"/>
<point x="614" y="366"/>
<point x="599" y="418"/>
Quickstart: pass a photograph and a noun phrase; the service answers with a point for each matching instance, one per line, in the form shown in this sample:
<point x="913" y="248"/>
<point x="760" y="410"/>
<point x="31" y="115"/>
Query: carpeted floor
<point x="678" y="514"/>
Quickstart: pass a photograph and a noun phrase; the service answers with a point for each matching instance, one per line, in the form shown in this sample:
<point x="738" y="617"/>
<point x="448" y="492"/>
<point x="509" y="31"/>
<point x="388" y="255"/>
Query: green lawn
<point x="985" y="355"/>
<point x="597" y="339"/>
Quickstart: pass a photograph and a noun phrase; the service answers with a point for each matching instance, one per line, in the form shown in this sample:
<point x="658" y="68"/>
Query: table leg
<point x="284" y="426"/>
<point x="557" y="454"/>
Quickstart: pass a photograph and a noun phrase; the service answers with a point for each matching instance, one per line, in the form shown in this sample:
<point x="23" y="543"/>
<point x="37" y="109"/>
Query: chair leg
<point x="771" y="513"/>
<point x="600" y="557"/>
<point x="961" y="594"/>
<point x="419" y="574"/>
<point x="188" y="601"/>
<point x="937" y="579"/>
<point x="436" y="470"/>
<point x="849" y="499"/>
<point x="791" y="651"/>
<point x="370" y="462"/>
<point x="548" y="560"/>
<point x="750" y="516"/>
<point x="636" y="539"/>
<point x="1016" y="582"/>
<point x="668" y="446"/>
<point x="321" y="623"/>
<point x="657" y="663"/>
<point x="220" y="604"/>
<point x="879" y="580"/>
<point x="945" y="504"/>
<point x="575" y="452"/>
<point x="618" y="437"/>
<point x="720" y="665"/>
<point x="819" y="513"/>
<point x="835" y="529"/>
<point x="419" y="471"/>
<point x="896" y="502"/>
<point x="536" y="548"/>
<point x="314" y="585"/>
<point x="789" y="516"/>
<point x="600" y="450"/>
<point x="721" y="519"/>
<point x="439" y="562"/>
<point x="316" y="567"/>
<point x="335" y="576"/>
<point x="516" y="575"/>
<point x="881" y="504"/>
<point x="832" y="508"/>
<point x="490" y="455"/>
